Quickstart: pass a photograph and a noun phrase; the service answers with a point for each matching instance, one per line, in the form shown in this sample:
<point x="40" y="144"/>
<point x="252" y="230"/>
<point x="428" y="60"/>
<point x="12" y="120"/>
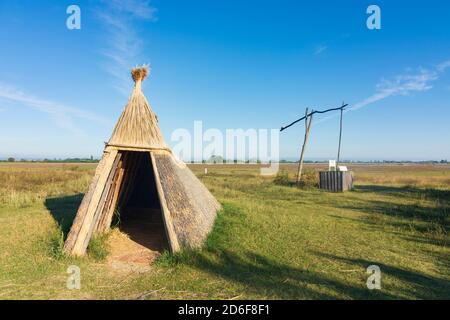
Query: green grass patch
<point x="98" y="248"/>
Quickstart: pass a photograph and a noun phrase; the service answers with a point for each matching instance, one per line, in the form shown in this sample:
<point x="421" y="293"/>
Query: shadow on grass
<point x="407" y="191"/>
<point x="262" y="275"/>
<point x="418" y="285"/>
<point x="272" y="279"/>
<point x="225" y="257"/>
<point x="63" y="210"/>
<point x="418" y="222"/>
<point x="422" y="216"/>
<point x="406" y="212"/>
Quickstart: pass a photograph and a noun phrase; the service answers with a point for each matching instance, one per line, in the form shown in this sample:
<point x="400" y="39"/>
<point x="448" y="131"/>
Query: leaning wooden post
<point x="305" y="142"/>
<point x="300" y="161"/>
<point x="340" y="136"/>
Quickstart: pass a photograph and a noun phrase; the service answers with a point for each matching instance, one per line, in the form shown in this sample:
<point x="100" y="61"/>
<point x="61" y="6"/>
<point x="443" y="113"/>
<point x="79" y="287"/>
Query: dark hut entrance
<point x="138" y="212"/>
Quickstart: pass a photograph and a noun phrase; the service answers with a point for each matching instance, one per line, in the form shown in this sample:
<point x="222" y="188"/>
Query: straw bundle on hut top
<point x="138" y="126"/>
<point x="139" y="176"/>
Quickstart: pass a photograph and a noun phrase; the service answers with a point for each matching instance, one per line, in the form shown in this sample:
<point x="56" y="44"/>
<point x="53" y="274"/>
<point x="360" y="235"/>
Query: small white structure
<point x="206" y="170"/>
<point x="331" y="165"/>
<point x="342" y="168"/>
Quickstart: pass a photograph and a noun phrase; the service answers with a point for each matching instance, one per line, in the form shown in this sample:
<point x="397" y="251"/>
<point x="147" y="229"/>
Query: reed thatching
<point x="192" y="207"/>
<point x="188" y="209"/>
<point x="139" y="73"/>
<point x="137" y="126"/>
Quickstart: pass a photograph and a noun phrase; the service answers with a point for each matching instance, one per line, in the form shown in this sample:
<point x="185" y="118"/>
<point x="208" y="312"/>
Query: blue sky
<point x="231" y="64"/>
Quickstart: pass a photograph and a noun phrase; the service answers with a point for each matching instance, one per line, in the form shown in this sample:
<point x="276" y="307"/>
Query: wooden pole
<point x="313" y="112"/>
<point x="300" y="162"/>
<point x="340" y="136"/>
<point x="305" y="142"/>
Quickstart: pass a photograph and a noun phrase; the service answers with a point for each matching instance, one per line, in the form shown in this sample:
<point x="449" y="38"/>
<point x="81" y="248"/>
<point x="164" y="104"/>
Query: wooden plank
<point x="83" y="208"/>
<point x="139" y="148"/>
<point x="100" y="226"/>
<point x="106" y="223"/>
<point x="131" y="170"/>
<point x="126" y="179"/>
<point x="105" y="208"/>
<point x="335" y="181"/>
<point x="168" y="224"/>
<point x="103" y="198"/>
<point x="79" y="247"/>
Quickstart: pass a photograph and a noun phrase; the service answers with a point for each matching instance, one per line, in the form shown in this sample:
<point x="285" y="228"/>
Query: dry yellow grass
<point x="24" y="184"/>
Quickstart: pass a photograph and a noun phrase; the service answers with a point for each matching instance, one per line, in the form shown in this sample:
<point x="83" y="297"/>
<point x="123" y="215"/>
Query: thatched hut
<point x="138" y="177"/>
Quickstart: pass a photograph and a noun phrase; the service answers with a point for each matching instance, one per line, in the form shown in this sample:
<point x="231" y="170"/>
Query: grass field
<point x="270" y="241"/>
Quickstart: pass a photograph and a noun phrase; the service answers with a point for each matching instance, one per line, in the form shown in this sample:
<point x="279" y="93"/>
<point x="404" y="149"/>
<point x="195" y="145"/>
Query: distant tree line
<point x="65" y="160"/>
<point x="219" y="160"/>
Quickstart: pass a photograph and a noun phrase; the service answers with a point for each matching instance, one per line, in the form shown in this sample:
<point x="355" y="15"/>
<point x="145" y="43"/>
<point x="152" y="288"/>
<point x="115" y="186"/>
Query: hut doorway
<point x="138" y="213"/>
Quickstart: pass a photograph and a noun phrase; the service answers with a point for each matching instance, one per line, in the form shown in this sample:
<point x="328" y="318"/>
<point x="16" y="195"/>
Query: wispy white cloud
<point x="137" y="8"/>
<point x="320" y="48"/>
<point x="62" y="115"/>
<point x="443" y="66"/>
<point x="325" y="45"/>
<point x="123" y="47"/>
<point x="413" y="81"/>
<point x="404" y="84"/>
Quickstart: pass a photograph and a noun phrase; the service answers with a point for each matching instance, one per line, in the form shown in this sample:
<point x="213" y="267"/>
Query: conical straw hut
<point x="138" y="177"/>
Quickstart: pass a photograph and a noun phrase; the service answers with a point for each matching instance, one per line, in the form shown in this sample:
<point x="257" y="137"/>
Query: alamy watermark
<point x="73" y="22"/>
<point x="374" y="20"/>
<point x="213" y="146"/>
<point x="74" y="278"/>
<point x="374" y="280"/>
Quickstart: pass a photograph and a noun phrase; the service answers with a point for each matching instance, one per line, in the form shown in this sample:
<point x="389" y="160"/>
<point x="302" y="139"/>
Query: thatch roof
<point x="191" y="206"/>
<point x="138" y="124"/>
